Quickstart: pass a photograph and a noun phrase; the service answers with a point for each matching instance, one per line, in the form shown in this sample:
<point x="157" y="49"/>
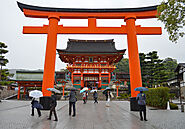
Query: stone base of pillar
<point x="45" y="102"/>
<point x="133" y="104"/>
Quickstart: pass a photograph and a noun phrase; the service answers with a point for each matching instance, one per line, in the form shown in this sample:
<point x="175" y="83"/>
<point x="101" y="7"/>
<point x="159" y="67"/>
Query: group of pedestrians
<point x="53" y="103"/>
<point x="141" y="97"/>
<point x="85" y="97"/>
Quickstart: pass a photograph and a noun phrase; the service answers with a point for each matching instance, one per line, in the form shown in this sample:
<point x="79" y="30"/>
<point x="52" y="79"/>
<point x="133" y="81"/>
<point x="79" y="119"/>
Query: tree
<point x="152" y="69"/>
<point x="3" y="61"/>
<point x="122" y="66"/>
<point x="172" y="15"/>
<point x="143" y="65"/>
<point x="170" y="65"/>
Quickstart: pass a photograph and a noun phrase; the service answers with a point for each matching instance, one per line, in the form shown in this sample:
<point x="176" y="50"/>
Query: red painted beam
<point x="92" y="30"/>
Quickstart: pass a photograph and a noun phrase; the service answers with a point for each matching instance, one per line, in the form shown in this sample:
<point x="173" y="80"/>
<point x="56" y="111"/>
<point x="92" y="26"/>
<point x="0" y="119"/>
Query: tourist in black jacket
<point x="95" y="95"/>
<point x="72" y="102"/>
<point x="52" y="107"/>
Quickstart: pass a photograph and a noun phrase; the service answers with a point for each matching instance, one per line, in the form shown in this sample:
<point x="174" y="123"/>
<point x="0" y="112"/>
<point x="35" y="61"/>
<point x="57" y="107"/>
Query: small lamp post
<point x="117" y="85"/>
<point x="63" y="86"/>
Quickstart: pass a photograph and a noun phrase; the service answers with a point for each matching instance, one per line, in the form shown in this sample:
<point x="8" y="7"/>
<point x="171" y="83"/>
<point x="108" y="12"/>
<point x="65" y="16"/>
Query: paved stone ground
<point x="16" y="115"/>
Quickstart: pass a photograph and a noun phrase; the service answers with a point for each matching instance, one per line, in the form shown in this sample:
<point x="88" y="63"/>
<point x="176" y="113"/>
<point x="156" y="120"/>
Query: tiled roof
<point x="90" y="46"/>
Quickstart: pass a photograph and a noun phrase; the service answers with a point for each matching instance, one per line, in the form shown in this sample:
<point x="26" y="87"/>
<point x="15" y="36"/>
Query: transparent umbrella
<point x="85" y="88"/>
<point x="92" y="91"/>
<point x="53" y="90"/>
<point x="141" y="89"/>
<point x="81" y="91"/>
<point x="35" y="94"/>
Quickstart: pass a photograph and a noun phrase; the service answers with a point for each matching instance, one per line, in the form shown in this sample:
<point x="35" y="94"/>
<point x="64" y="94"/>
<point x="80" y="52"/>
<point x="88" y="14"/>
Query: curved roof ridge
<point x="93" y="46"/>
<point x="53" y="9"/>
<point x="91" y="40"/>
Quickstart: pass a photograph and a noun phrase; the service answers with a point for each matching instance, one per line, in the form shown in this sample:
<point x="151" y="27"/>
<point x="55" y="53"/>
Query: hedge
<point x="173" y="106"/>
<point x="157" y="97"/>
<point x="123" y="96"/>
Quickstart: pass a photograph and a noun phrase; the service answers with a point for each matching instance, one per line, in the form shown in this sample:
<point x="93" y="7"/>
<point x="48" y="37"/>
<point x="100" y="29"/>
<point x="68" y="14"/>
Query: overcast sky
<point x="26" y="51"/>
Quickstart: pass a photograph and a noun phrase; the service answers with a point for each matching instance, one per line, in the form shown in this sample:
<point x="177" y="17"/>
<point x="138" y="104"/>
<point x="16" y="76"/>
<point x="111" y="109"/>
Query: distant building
<point x="22" y="74"/>
<point x="91" y="62"/>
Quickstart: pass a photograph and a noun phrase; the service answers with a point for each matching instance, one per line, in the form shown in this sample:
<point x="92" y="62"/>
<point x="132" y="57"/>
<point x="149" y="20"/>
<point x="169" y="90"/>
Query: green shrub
<point x="172" y="96"/>
<point x="123" y="96"/>
<point x="157" y="97"/>
<point x="119" y="97"/>
<point x="66" y="93"/>
<point x="173" y="106"/>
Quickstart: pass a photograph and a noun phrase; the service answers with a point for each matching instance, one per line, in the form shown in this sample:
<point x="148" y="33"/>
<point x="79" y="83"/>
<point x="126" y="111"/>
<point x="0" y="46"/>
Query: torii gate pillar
<point x="134" y="63"/>
<point x="50" y="56"/>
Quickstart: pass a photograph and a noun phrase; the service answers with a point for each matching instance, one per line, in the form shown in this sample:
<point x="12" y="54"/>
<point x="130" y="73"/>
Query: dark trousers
<point x="142" y="108"/>
<point x="84" y="101"/>
<point x="52" y="109"/>
<point x="95" y="100"/>
<point x="74" y="108"/>
<point x="38" y="110"/>
<point x="106" y="97"/>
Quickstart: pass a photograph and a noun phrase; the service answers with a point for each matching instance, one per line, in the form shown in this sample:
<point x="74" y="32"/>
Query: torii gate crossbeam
<point x="55" y="14"/>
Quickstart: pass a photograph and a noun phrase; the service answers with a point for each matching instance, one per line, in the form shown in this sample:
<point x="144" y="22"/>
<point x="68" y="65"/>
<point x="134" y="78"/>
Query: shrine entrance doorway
<point x="91" y="81"/>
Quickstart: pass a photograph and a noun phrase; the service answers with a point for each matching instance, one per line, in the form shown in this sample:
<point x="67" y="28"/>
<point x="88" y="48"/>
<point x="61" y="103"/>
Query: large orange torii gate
<point x="55" y="14"/>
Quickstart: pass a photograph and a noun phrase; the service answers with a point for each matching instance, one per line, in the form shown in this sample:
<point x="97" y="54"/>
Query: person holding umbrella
<point x="107" y="94"/>
<point x="35" y="103"/>
<point x="53" y="106"/>
<point x="72" y="102"/>
<point x="141" y="97"/>
<point x="85" y="94"/>
<point x="84" y="97"/>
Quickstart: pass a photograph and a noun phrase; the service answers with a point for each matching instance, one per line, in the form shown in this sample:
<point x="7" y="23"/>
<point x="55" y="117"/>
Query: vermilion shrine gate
<point x="91" y="62"/>
<point x="130" y="15"/>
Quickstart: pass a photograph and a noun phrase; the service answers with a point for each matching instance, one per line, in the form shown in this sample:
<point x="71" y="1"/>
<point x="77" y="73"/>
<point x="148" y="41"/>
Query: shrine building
<point x="91" y="62"/>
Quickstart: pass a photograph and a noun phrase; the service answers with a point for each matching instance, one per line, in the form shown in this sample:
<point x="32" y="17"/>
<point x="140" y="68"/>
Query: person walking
<point x="95" y="95"/>
<point x="53" y="106"/>
<point x="72" y="102"/>
<point x="108" y="96"/>
<point x="141" y="97"/>
<point x="84" y="97"/>
<point x="35" y="104"/>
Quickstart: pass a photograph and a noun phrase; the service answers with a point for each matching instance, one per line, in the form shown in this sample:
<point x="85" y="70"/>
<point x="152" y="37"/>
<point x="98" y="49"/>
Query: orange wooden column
<point x="99" y="84"/>
<point x="63" y="90"/>
<point x="134" y="63"/>
<point x="18" y="94"/>
<point x="50" y="56"/>
<point x="72" y="77"/>
<point x="82" y="80"/>
<point x="24" y="91"/>
<point x="117" y="90"/>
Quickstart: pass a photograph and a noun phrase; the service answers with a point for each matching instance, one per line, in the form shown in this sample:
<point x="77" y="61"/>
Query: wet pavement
<point x="17" y="115"/>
